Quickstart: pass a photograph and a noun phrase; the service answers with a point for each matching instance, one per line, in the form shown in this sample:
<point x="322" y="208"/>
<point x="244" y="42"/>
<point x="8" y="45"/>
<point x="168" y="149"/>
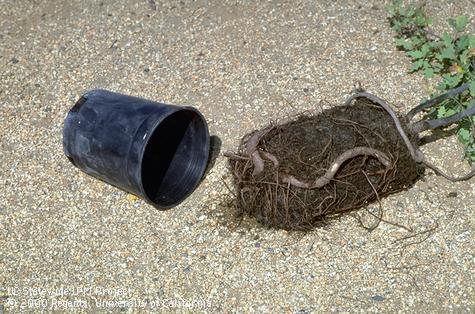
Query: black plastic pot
<point x="155" y="151"/>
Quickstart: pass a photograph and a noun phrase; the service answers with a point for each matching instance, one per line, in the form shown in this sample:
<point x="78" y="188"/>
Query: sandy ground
<point x="68" y="241"/>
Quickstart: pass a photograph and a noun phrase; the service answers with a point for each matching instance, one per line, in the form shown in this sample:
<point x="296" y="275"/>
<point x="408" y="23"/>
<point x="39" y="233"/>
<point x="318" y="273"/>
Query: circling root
<point x="330" y="173"/>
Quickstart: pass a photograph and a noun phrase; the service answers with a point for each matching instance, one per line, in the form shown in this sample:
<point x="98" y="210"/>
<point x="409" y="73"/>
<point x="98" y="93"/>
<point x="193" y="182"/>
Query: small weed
<point x="449" y="57"/>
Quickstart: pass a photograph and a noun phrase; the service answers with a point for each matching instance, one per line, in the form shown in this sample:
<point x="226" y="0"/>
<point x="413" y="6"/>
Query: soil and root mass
<point x="297" y="174"/>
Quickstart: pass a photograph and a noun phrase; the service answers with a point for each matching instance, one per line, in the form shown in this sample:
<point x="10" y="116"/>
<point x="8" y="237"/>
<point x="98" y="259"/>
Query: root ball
<point x="297" y="174"/>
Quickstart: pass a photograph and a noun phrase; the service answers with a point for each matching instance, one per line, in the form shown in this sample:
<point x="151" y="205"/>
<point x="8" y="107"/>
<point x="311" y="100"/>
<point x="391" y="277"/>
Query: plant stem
<point x="437" y="100"/>
<point x="415" y="152"/>
<point x="424" y="125"/>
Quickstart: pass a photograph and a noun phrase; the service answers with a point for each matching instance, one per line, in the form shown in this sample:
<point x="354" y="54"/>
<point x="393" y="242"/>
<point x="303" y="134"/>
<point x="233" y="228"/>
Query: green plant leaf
<point x="429" y="72"/>
<point x="437" y="67"/>
<point x="464" y="58"/>
<point x="462" y="43"/>
<point x="471" y="88"/>
<point x="471" y="158"/>
<point x="471" y="41"/>
<point x="415" y="54"/>
<point x="449" y="112"/>
<point x="410" y="11"/>
<point x="425" y="49"/>
<point x="416" y="65"/>
<point x="448" y="53"/>
<point x="404" y="43"/>
<point x="464" y="135"/>
<point x="441" y="112"/>
<point x="444" y="112"/>
<point x="450" y="81"/>
<point x="459" y="23"/>
<point x="446" y="39"/>
<point x="421" y="20"/>
<point x="429" y="21"/>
